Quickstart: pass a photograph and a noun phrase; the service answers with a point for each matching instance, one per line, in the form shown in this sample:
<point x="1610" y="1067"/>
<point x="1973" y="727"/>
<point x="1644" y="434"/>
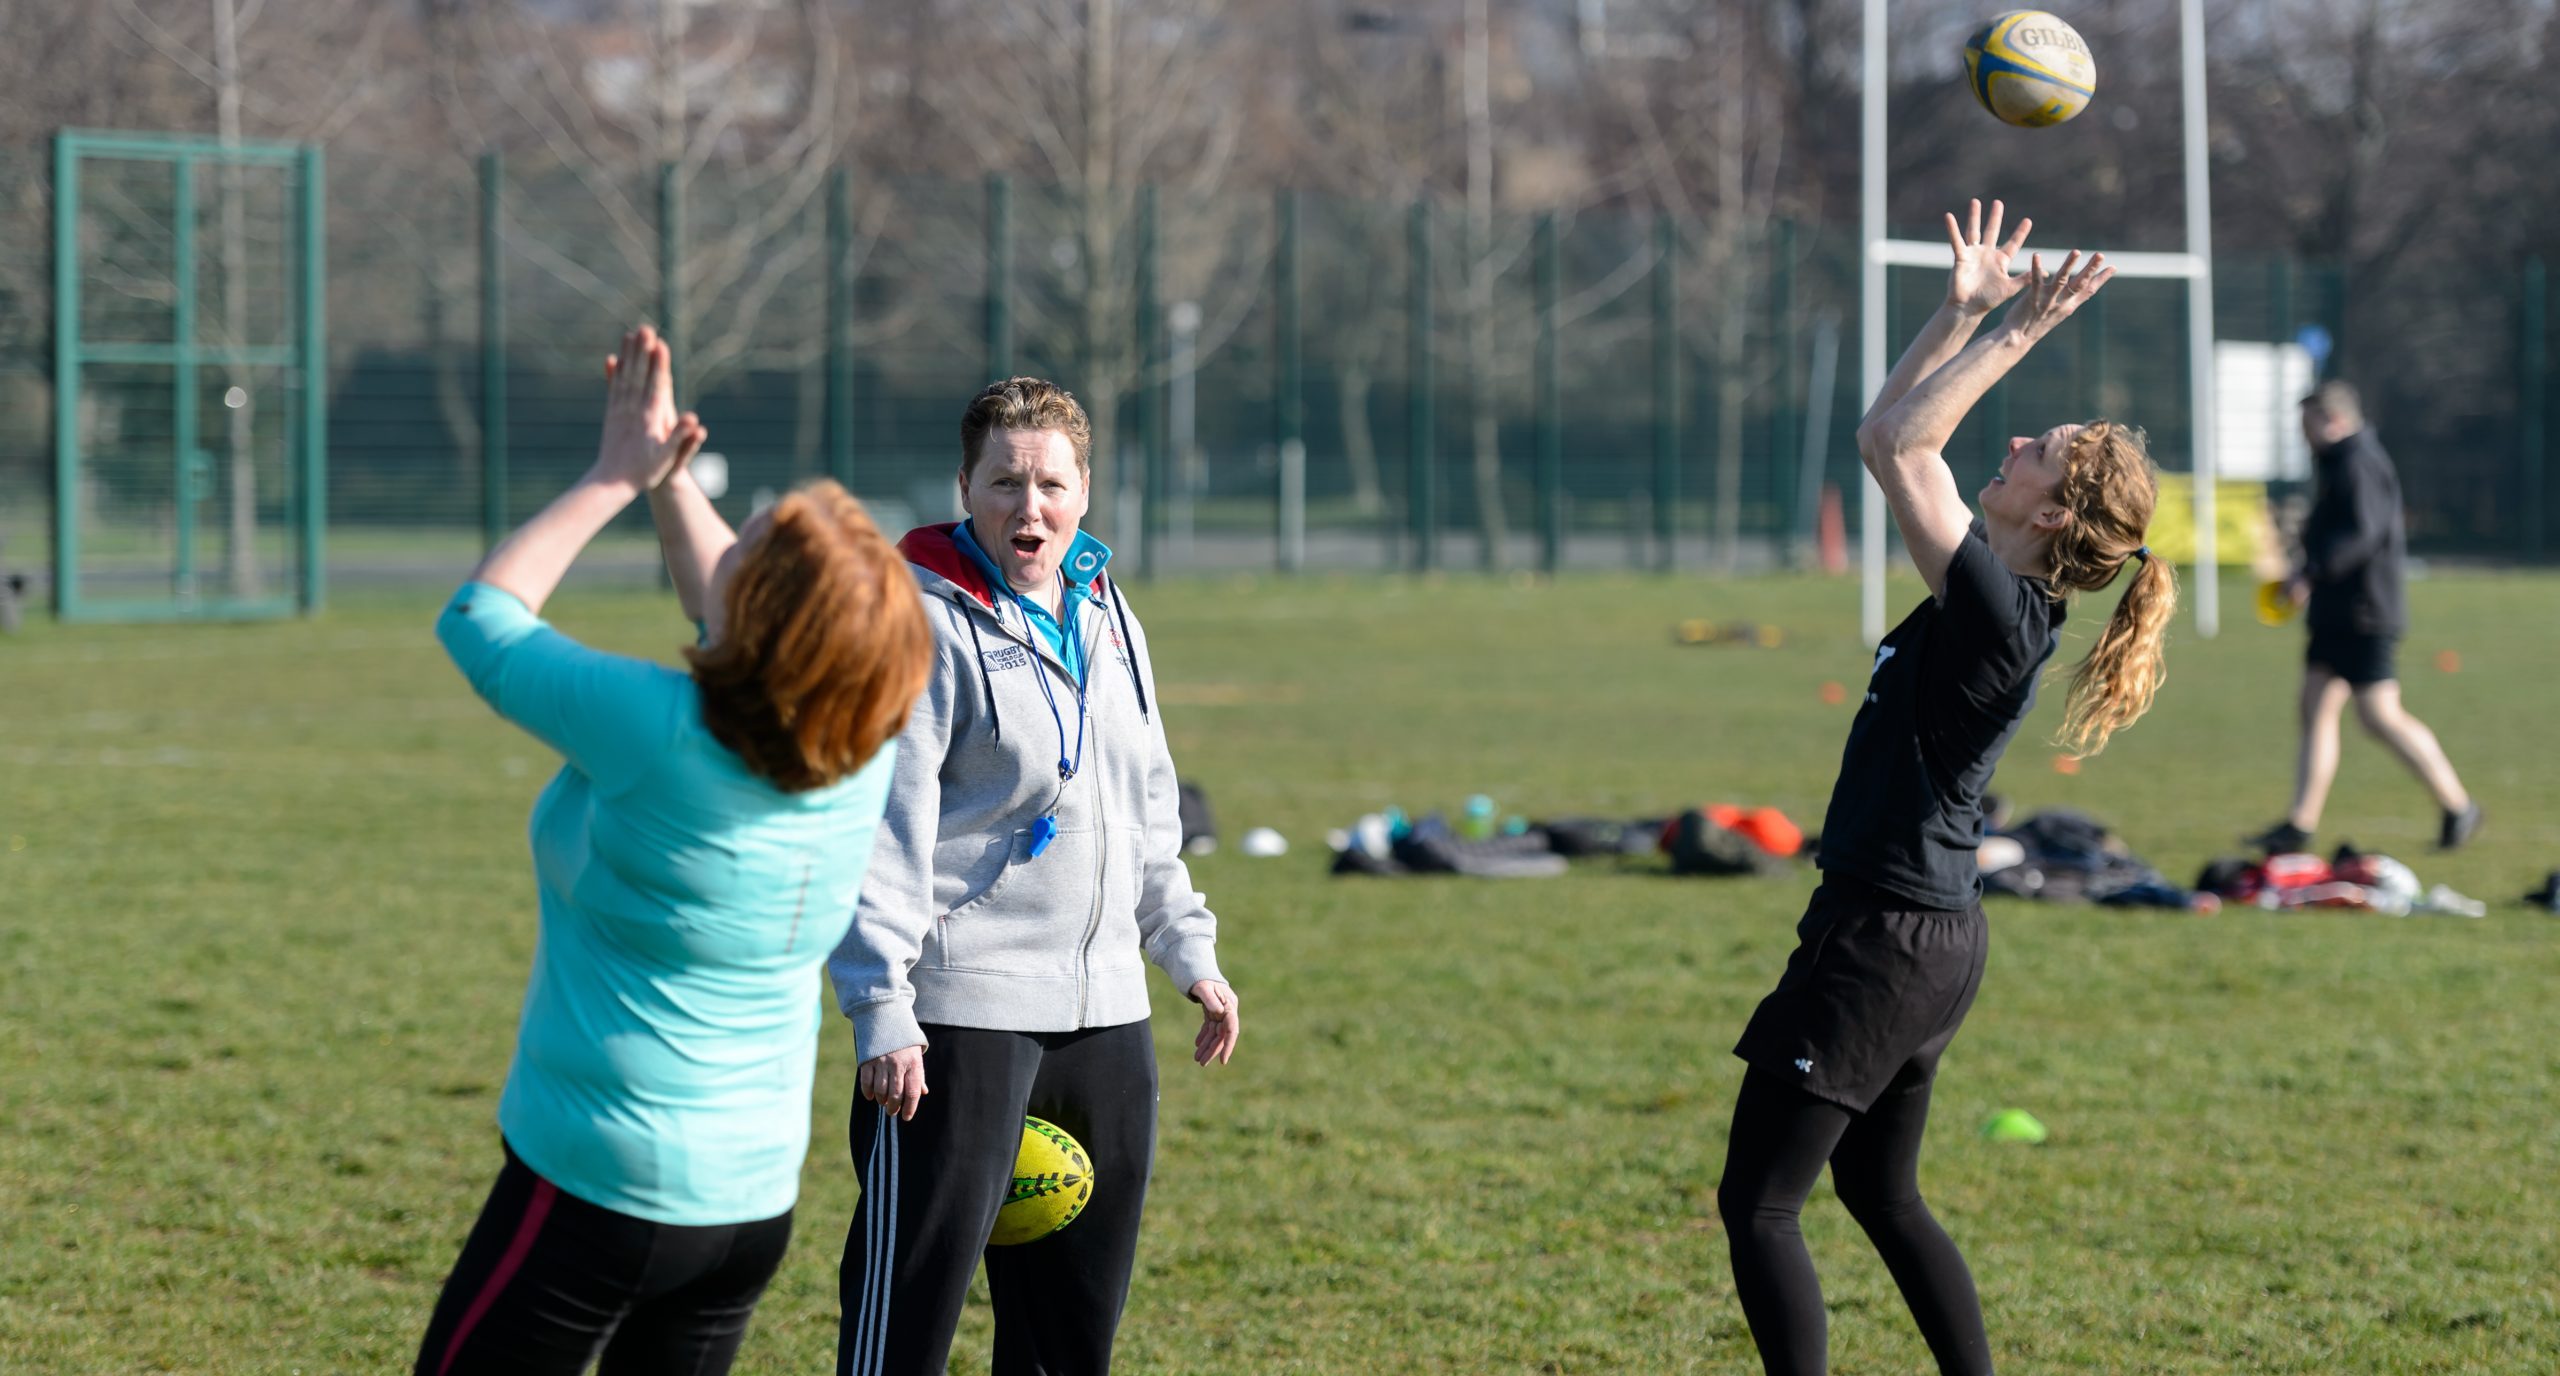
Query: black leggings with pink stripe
<point x="548" y="1282"/>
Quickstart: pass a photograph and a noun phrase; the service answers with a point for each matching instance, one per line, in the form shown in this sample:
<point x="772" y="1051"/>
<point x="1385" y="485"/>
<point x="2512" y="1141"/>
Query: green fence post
<point x="1289" y="402"/>
<point x="1782" y="390"/>
<point x="493" y="357"/>
<point x="66" y="378"/>
<point x="671" y="290"/>
<point x="185" y="402"/>
<point x="1666" y="395"/>
<point x="1150" y="391"/>
<point x="1422" y="476"/>
<point x="999" y="276"/>
<point x="2533" y="404"/>
<point x="315" y="377"/>
<point x="840" y="327"/>
<point x="2280" y="298"/>
<point x="2333" y="315"/>
<point x="671" y="269"/>
<point x="1550" y="401"/>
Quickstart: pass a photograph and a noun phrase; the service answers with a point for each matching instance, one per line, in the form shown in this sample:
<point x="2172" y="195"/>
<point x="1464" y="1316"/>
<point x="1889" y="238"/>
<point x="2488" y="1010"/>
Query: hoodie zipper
<point x="1102" y="811"/>
<point x="1093" y="919"/>
<point x="1101" y="869"/>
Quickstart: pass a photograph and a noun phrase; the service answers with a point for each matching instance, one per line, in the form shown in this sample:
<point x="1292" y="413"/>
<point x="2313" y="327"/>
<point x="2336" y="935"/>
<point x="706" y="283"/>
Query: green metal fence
<point x="1286" y="380"/>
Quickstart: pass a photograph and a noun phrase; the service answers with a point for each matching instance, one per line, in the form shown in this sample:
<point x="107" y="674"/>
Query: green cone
<point x="2014" y="1125"/>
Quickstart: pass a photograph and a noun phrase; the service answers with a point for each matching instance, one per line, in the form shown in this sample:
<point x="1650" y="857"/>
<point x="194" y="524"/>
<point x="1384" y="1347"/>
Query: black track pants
<point x="1781" y="1138"/>
<point x="547" y="1282"/>
<point x="931" y="1189"/>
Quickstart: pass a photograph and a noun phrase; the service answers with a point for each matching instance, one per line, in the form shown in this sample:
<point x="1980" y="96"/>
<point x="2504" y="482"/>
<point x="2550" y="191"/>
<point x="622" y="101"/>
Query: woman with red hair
<point x="698" y="855"/>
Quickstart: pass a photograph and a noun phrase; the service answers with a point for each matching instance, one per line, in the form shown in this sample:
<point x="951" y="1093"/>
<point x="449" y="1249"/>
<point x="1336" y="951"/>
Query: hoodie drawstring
<point x="1120" y="607"/>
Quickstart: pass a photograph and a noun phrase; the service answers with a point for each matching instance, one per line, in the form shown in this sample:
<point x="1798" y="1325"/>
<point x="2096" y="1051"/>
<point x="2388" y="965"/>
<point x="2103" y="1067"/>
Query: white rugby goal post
<point x="2195" y="265"/>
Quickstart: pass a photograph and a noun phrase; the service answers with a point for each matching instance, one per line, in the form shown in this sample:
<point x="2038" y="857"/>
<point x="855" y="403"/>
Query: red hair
<point x="825" y="646"/>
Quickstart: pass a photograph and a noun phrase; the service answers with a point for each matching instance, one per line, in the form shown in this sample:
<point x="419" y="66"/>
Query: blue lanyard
<point x="1066" y="769"/>
<point x="1044" y="828"/>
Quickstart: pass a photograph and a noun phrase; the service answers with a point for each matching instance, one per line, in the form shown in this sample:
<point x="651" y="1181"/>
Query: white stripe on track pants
<point x="931" y="1189"/>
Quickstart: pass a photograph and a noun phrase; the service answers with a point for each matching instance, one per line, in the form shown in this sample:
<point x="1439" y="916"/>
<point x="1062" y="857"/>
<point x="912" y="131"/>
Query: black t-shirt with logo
<point x="1948" y="689"/>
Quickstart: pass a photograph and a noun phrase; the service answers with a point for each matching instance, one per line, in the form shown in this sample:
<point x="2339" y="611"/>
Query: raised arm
<point x="1904" y="437"/>
<point x="1980" y="282"/>
<point x="630" y="460"/>
<point x="693" y="536"/>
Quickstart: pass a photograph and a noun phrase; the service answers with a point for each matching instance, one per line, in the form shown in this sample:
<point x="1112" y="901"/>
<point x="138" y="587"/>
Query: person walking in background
<point x="2354" y="552"/>
<point x="1843" y="1053"/>
<point x="1029" y="867"/>
<point x="696" y="857"/>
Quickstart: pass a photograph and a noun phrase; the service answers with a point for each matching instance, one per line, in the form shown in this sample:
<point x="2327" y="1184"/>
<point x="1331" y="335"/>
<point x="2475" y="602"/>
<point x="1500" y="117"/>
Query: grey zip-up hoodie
<point x="958" y="922"/>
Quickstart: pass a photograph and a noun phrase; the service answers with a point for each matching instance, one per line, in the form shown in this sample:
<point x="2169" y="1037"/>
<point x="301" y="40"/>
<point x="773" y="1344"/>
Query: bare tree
<point x="1102" y="98"/>
<point x="741" y="108"/>
<point x="1705" y="110"/>
<point x="304" y="78"/>
<point x="1395" y="130"/>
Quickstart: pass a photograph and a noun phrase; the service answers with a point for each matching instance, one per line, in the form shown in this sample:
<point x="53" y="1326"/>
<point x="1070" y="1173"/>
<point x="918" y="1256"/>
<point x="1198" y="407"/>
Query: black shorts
<point x="2358" y="658"/>
<point x="1871" y="997"/>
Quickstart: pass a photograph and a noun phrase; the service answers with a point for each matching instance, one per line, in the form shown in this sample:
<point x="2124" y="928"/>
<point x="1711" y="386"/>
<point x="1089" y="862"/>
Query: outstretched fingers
<point x="2062" y="275"/>
<point x="2018" y="237"/>
<point x="1991" y="230"/>
<point x="686" y="441"/>
<point x="2092" y="277"/>
<point x="624" y="367"/>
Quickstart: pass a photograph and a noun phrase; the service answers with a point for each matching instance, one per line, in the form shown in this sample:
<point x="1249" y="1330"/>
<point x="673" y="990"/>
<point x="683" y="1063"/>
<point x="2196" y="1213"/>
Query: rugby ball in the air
<point x="2030" y="69"/>
<point x="1052" y="1180"/>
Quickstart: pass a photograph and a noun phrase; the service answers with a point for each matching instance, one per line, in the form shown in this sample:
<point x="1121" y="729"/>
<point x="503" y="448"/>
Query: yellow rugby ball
<point x="2030" y="69"/>
<point x="1052" y="1181"/>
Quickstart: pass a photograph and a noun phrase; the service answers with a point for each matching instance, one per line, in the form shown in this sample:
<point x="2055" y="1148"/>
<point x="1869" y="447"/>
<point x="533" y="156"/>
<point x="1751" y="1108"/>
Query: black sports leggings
<point x="1781" y="1138"/>
<point x="547" y="1282"/>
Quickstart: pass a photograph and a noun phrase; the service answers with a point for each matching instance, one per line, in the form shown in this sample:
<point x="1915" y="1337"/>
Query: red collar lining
<point x="932" y="549"/>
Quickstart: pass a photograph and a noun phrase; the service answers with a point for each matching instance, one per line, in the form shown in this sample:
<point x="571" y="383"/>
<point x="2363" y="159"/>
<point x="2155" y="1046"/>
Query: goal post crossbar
<point x="1926" y="253"/>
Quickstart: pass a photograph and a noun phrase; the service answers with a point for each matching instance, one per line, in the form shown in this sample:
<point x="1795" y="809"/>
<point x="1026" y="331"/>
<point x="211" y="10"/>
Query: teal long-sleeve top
<point x="668" y="1042"/>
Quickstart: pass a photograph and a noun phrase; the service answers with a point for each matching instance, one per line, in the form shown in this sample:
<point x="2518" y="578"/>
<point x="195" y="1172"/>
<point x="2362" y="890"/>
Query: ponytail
<point x="2110" y="488"/>
<point x="2114" y="686"/>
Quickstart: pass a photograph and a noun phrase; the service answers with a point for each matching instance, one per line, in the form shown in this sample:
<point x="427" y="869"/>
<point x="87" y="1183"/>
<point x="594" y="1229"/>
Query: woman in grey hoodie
<point x="1028" y="866"/>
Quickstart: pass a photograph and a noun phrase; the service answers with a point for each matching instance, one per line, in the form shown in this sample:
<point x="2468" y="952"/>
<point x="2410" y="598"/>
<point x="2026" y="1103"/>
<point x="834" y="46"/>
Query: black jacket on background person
<point x="2354" y="543"/>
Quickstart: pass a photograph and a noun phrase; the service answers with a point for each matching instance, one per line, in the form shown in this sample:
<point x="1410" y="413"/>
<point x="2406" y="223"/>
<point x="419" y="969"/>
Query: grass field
<point x="265" y="916"/>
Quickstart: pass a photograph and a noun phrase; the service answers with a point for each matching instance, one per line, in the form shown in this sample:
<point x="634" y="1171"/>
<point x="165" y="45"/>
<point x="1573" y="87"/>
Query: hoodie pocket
<point x="1117" y="942"/>
<point x="1031" y="919"/>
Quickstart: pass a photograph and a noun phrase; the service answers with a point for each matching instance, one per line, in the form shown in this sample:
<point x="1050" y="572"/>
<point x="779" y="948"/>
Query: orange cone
<point x="1831" y="534"/>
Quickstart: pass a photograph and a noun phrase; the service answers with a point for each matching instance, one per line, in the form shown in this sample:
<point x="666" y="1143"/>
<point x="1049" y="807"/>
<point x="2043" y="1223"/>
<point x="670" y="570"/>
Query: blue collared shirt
<point x="1086" y="558"/>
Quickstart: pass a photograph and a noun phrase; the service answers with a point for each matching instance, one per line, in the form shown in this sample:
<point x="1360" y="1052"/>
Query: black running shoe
<point x="2284" y="838"/>
<point x="2459" y="827"/>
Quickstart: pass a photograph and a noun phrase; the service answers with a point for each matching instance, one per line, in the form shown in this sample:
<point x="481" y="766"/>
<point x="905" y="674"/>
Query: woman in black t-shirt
<point x="1890" y="953"/>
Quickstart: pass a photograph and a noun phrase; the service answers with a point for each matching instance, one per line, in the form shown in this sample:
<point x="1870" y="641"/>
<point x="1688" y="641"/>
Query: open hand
<point x="894" y="1081"/>
<point x="1220" y="1024"/>
<point x="645" y="438"/>
<point x="2050" y="300"/>
<point x="1982" y="278"/>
